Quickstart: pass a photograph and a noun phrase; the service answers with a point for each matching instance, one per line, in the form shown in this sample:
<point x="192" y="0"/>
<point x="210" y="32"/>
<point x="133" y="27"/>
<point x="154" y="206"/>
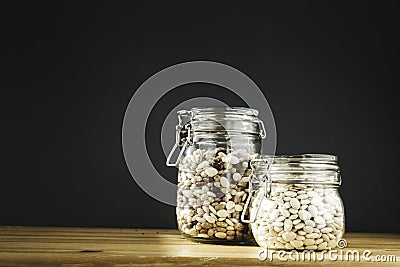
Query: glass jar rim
<point x="223" y="110"/>
<point x="299" y="168"/>
<point x="231" y="120"/>
<point x="300" y="158"/>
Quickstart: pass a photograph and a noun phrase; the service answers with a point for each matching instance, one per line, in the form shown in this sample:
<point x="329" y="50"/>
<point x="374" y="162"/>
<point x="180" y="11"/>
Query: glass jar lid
<point x="302" y="168"/>
<point x="231" y="121"/>
<point x="224" y="119"/>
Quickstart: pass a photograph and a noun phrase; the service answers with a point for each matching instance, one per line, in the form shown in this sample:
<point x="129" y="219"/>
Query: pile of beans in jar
<point x="212" y="191"/>
<point x="298" y="216"/>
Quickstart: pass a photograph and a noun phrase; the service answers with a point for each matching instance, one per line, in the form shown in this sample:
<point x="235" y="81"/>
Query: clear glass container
<point x="297" y="204"/>
<point x="216" y="146"/>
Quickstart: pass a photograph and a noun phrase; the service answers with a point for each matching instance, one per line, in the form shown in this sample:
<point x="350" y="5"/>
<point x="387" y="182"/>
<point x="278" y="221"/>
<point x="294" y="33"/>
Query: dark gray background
<point x="328" y="69"/>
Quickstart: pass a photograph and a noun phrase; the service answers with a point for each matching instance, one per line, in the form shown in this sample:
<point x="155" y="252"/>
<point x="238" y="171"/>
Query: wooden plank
<point x="51" y="246"/>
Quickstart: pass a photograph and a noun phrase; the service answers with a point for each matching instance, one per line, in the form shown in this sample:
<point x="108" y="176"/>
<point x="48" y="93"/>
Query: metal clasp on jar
<point x="266" y="180"/>
<point x="183" y="137"/>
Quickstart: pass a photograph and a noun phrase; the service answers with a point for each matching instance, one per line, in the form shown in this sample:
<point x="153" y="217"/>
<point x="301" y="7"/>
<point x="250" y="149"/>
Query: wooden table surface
<point x="48" y="246"/>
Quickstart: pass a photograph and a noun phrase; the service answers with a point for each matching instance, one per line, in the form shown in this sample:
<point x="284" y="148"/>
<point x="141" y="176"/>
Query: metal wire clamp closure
<point x="267" y="191"/>
<point x="183" y="138"/>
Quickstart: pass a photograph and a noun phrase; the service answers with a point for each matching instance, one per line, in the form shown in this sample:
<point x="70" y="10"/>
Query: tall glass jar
<point x="297" y="204"/>
<point x="216" y="146"/>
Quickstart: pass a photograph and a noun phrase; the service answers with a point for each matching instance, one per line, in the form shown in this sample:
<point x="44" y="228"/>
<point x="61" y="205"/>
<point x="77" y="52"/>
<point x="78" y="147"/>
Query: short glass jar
<point x="216" y="146"/>
<point x="297" y="204"/>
